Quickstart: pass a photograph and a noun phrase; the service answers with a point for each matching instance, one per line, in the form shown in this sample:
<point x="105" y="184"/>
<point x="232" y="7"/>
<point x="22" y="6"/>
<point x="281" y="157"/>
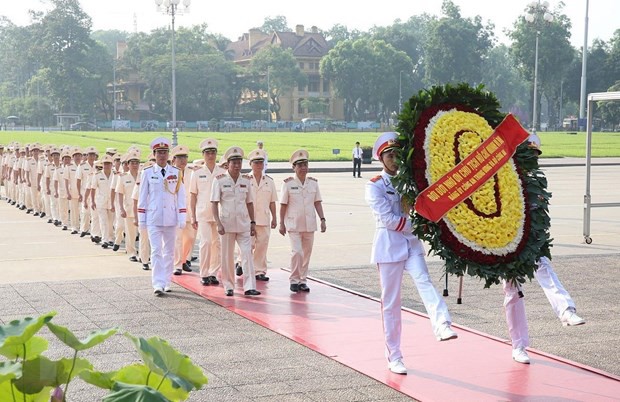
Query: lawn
<point x="280" y="145"/>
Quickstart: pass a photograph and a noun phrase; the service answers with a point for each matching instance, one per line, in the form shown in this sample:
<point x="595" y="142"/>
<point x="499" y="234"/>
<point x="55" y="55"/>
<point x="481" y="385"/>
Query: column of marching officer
<point x="159" y="209"/>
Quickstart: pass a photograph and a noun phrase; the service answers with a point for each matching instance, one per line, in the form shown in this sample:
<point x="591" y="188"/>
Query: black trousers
<point x="357" y="163"/>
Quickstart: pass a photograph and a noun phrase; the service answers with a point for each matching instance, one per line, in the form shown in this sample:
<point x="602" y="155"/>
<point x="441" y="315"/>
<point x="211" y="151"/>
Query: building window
<point x="301" y="65"/>
<point x="314" y="82"/>
<point x="300" y="108"/>
<point x="326" y="87"/>
<point x="301" y="87"/>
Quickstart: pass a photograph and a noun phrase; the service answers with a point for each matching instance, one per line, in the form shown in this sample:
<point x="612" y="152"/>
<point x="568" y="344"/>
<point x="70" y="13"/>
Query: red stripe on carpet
<point x="347" y="328"/>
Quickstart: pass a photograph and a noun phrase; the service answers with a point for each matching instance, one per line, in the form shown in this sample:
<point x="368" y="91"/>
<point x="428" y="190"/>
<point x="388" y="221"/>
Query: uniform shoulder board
<point x="248" y="176"/>
<point x="288" y="179"/>
<point x="376" y="179"/>
<point x="219" y="176"/>
<point x="312" y="178"/>
<point x="269" y="177"/>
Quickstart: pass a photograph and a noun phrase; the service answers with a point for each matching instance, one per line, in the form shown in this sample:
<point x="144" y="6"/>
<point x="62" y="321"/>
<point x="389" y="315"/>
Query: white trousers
<point x="63" y="210"/>
<point x="391" y="275"/>
<point x="162" y="240"/>
<point x="145" y="246"/>
<point x="260" y="244"/>
<point x="106" y="220"/>
<point x="556" y="294"/>
<point x="515" y="316"/>
<point x="301" y="250"/>
<point x="35" y="195"/>
<point x="85" y="217"/>
<point x="74" y="213"/>
<point x="119" y="226"/>
<point x="228" y="260"/>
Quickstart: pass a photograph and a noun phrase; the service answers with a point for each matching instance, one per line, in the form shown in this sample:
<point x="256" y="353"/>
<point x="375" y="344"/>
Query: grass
<point x="280" y="145"/>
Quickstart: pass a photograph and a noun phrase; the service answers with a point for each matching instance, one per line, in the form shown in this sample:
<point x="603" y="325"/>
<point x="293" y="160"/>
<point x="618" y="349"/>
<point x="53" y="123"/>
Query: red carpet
<point x="347" y="328"/>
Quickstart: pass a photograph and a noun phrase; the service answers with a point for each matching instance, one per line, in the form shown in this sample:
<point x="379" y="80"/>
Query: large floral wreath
<point x="502" y="229"/>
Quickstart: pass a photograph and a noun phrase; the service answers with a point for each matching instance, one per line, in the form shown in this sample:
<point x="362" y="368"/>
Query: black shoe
<point x="205" y="281"/>
<point x="177" y="272"/>
<point x="251" y="292"/>
<point x="194" y="259"/>
<point x="57" y="223"/>
<point x="294" y="287"/>
<point x="115" y="247"/>
<point x="303" y="287"/>
<point x="133" y="258"/>
<point x="229" y="292"/>
<point x="74" y="232"/>
<point x="186" y="268"/>
<point x="104" y="245"/>
<point x="42" y="215"/>
<point x="36" y="214"/>
<point x="238" y="269"/>
<point x="146" y="267"/>
<point x="65" y="228"/>
<point x="28" y="211"/>
<point x="50" y="221"/>
<point x="213" y="280"/>
<point x="188" y="262"/>
<point x="262" y="277"/>
<point x="22" y="207"/>
<point x="97" y="239"/>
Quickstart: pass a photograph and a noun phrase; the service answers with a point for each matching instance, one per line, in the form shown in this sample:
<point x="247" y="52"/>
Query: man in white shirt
<point x="357" y="159"/>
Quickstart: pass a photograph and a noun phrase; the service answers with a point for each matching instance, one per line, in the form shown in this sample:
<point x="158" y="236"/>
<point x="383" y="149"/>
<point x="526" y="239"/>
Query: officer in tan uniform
<point x="144" y="251"/>
<point x="265" y="198"/>
<point x="233" y="210"/>
<point x="210" y="248"/>
<point x="60" y="188"/>
<point x="124" y="188"/>
<point x="31" y="169"/>
<point x="70" y="178"/>
<point x="120" y="167"/>
<point x="50" y="170"/>
<point x="100" y="191"/>
<point x="161" y="208"/>
<point x="186" y="236"/>
<point x="84" y="169"/>
<point x="300" y="199"/>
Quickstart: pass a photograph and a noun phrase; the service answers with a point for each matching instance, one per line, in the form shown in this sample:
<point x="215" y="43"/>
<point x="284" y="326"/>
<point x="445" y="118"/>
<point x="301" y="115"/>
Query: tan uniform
<point x="82" y="174"/>
<point x="70" y="181"/>
<point x="119" y="221"/>
<point x="186" y="236"/>
<point x="145" y="245"/>
<point x="125" y="185"/>
<point x="265" y="194"/>
<point x="45" y="197"/>
<point x="31" y="170"/>
<point x="60" y="188"/>
<point x="100" y="184"/>
<point x="300" y="222"/>
<point x="210" y="248"/>
<point x="233" y="198"/>
<point x="50" y="171"/>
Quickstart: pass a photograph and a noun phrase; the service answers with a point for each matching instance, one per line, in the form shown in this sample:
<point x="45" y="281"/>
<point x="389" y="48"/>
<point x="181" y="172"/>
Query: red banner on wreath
<point x="472" y="172"/>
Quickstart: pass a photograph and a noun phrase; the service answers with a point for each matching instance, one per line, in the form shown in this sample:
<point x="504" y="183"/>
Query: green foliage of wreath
<point x="526" y="159"/>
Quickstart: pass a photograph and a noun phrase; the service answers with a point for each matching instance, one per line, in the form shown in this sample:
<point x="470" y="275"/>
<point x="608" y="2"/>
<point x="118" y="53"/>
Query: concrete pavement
<point x="46" y="269"/>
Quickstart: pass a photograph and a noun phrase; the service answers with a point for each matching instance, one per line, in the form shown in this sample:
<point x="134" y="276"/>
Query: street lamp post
<point x="171" y="8"/>
<point x="537" y="14"/>
<point x="584" y="67"/>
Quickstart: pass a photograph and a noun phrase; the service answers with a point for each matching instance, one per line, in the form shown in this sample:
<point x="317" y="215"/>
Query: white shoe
<point x="397" y="367"/>
<point x="158" y="291"/>
<point x="167" y="289"/>
<point x="570" y="318"/>
<point x="520" y="356"/>
<point x="446" y="333"/>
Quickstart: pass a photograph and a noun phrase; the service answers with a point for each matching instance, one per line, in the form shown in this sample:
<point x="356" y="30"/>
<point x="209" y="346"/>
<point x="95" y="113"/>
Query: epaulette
<point x="288" y="179"/>
<point x="219" y="176"/>
<point x="312" y="178"/>
<point x="376" y="179"/>
<point x="248" y="176"/>
<point x="269" y="177"/>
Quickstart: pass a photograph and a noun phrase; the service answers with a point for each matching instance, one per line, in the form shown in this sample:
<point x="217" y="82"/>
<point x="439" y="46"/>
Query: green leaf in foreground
<point x="139" y="374"/>
<point x="68" y="338"/>
<point x="134" y="393"/>
<point x="98" y="378"/>
<point x="7" y="393"/>
<point x="17" y="332"/>
<point x="9" y="371"/>
<point x="42" y="372"/>
<point x="34" y="347"/>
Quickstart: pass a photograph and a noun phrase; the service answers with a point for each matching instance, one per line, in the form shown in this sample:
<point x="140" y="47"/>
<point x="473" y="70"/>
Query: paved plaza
<point x="45" y="269"/>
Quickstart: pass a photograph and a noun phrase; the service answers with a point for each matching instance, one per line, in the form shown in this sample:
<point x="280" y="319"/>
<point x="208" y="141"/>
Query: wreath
<point x="502" y="228"/>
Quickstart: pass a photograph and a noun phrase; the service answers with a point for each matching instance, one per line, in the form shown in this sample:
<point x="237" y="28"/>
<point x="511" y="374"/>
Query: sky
<point x="233" y="18"/>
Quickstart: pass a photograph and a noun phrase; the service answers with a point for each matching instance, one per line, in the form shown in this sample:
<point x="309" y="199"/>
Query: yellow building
<point x="308" y="48"/>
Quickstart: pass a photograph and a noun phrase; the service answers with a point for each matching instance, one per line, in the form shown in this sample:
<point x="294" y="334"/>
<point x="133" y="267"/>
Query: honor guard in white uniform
<point x="100" y="192"/>
<point x="396" y="251"/>
<point x="161" y="208"/>
<point x="233" y="210"/>
<point x="186" y="236"/>
<point x="561" y="301"/>
<point x="83" y="172"/>
<point x="265" y="198"/>
<point x="124" y="188"/>
<point x="210" y="246"/>
<point x="301" y="197"/>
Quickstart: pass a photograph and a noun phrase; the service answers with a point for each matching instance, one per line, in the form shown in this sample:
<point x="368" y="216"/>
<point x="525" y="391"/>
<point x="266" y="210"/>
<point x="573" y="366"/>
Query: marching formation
<point x="160" y="208"/>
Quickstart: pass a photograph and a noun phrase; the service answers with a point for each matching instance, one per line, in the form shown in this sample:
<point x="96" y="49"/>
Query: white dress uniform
<point x="161" y="208"/>
<point x="210" y="246"/>
<point x="265" y="193"/>
<point x="233" y="198"/>
<point x="300" y="222"/>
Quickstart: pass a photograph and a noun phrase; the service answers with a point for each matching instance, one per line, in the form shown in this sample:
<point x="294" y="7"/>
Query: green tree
<point x="456" y="47"/>
<point x="109" y="39"/>
<point x="610" y="110"/>
<point x="555" y="56"/>
<point x="339" y="32"/>
<point x="500" y="76"/>
<point x="284" y="75"/>
<point x="275" y="24"/>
